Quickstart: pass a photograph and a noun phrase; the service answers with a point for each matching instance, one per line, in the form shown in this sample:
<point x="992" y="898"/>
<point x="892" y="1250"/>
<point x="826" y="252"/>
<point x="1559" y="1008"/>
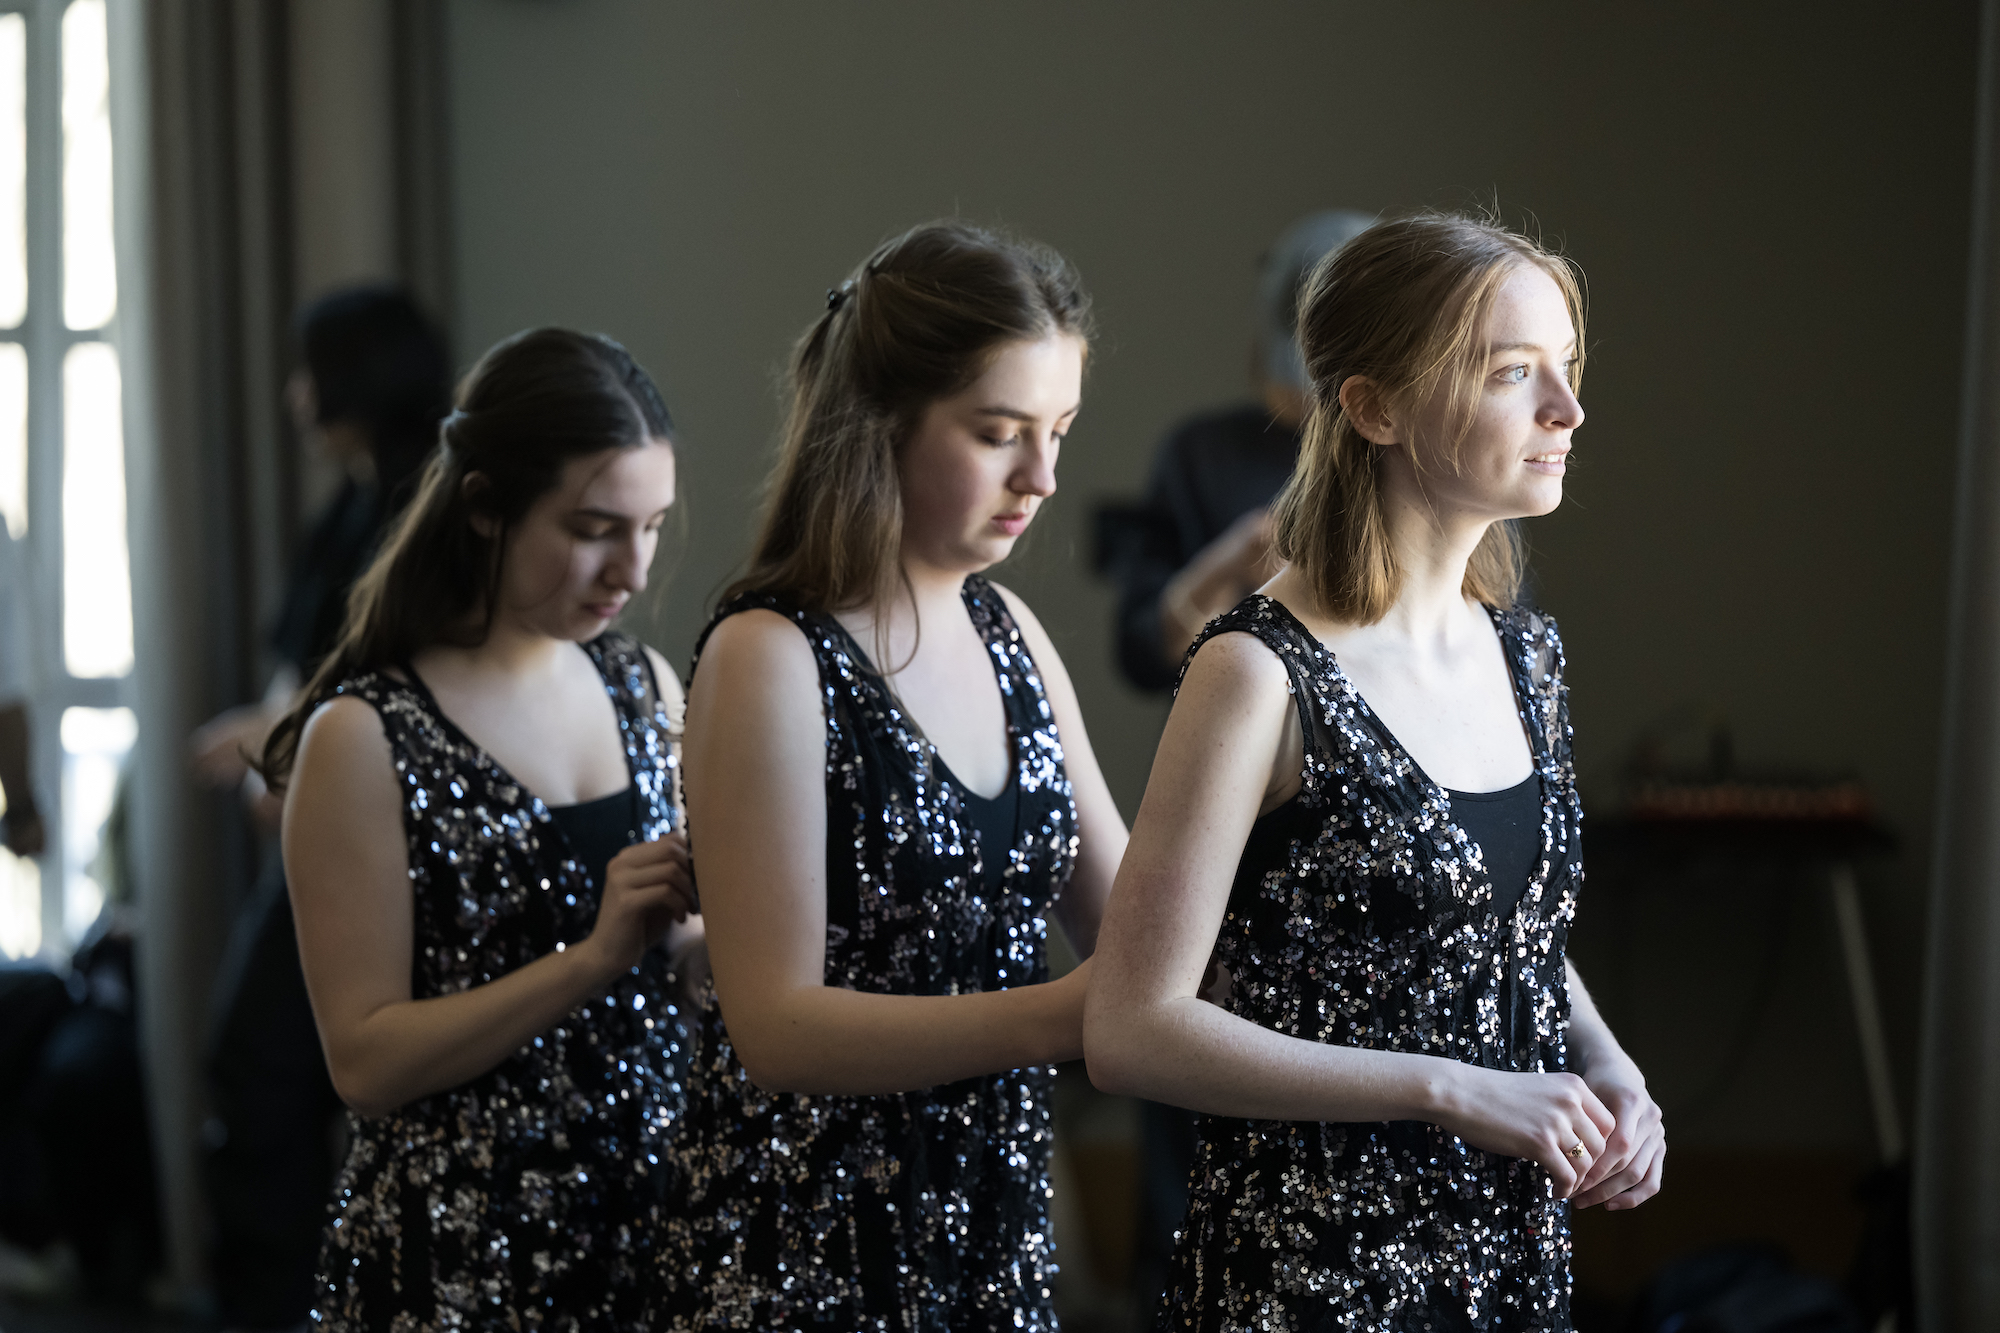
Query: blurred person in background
<point x="24" y="833"/>
<point x="1201" y="540"/>
<point x="374" y="384"/>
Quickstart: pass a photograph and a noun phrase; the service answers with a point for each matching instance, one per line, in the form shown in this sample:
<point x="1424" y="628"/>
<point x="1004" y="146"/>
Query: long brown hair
<point x="918" y="321"/>
<point x="532" y="404"/>
<point x="1403" y="304"/>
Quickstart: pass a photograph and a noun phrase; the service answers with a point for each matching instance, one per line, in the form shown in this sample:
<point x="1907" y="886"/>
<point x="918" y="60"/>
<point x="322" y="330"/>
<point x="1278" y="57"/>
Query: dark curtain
<point x="1957" y="1165"/>
<point x="209" y="248"/>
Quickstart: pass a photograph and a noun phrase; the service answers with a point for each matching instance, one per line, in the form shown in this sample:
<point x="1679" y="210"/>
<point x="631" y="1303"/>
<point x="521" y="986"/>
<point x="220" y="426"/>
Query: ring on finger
<point x="1576" y="1151"/>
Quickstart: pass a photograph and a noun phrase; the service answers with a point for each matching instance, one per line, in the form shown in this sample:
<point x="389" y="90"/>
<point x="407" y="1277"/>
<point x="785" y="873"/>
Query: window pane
<point x="90" y="277"/>
<point x="14" y="438"/>
<point x="13" y="170"/>
<point x="95" y="742"/>
<point x="97" y="576"/>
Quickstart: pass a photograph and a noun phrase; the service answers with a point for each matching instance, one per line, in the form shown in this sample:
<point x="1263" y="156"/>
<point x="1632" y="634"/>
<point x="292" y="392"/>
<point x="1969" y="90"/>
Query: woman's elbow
<point x="770" y="1067"/>
<point x="361" y="1089"/>
<point x="1108" y="1046"/>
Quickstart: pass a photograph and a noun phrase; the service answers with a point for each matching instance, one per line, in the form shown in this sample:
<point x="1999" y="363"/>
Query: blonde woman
<point x="891" y="794"/>
<point x="1364" y="811"/>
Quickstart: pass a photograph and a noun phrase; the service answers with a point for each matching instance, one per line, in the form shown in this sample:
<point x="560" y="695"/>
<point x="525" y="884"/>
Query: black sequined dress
<point x="527" y="1198"/>
<point x="924" y="1210"/>
<point x="1362" y="915"/>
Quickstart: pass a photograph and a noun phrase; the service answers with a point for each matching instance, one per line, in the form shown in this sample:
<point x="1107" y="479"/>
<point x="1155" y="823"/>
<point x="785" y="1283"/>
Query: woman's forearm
<point x="1591" y="1045"/>
<point x="829" y="1040"/>
<point x="1188" y="1052"/>
<point x="413" y="1048"/>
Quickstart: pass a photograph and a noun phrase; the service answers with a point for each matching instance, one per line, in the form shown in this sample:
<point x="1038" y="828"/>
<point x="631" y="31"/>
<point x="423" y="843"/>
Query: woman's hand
<point x="1538" y="1116"/>
<point x="647" y="888"/>
<point x="1635" y="1152"/>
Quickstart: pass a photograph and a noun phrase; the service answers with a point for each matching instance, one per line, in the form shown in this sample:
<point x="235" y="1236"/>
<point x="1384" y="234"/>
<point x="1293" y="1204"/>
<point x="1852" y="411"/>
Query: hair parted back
<point x="1404" y="304"/>
<point x="534" y="402"/>
<point x="920" y="320"/>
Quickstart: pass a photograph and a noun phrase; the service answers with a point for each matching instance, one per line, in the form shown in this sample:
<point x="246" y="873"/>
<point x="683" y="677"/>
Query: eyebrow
<point x="1498" y="348"/>
<point x="607" y="515"/>
<point x="1016" y="414"/>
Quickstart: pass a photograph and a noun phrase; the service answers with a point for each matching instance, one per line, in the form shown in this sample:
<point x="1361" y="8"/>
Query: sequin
<point x="529" y="1197"/>
<point x="926" y="1210"/>
<point x="1362" y="916"/>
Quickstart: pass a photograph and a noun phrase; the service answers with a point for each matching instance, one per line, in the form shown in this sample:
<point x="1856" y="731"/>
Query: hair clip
<point x="835" y="295"/>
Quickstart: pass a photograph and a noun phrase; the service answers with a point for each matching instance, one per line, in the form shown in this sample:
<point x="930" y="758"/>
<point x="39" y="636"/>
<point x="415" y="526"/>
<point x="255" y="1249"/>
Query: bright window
<point x="62" y="452"/>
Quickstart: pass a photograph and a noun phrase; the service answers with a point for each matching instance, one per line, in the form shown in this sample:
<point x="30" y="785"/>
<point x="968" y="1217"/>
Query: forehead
<point x="1530" y="308"/>
<point x="1043" y="377"/>
<point x="637" y="480"/>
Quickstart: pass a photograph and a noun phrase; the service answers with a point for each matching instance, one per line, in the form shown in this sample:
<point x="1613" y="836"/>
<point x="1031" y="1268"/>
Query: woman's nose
<point x="1037" y="473"/>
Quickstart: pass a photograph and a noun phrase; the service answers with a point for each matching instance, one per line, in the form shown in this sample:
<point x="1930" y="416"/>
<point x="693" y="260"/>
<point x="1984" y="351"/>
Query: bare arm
<point x="348" y="868"/>
<point x="1080" y="910"/>
<point x="756" y="763"/>
<point x="1148" y="1034"/>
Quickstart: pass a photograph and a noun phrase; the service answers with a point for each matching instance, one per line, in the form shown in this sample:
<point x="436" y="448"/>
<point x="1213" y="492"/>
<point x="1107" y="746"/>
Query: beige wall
<point x="1770" y="203"/>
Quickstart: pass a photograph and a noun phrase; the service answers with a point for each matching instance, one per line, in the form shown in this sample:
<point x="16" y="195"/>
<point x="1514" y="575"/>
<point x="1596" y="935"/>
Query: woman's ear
<point x="474" y="488"/>
<point x="1361" y="400"/>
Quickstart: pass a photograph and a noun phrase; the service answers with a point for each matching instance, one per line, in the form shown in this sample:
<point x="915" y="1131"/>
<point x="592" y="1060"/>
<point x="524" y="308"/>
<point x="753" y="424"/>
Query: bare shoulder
<point x="344" y="770"/>
<point x="1236" y="660"/>
<point x="750" y="638"/>
<point x="757" y="657"/>
<point x="343" y="731"/>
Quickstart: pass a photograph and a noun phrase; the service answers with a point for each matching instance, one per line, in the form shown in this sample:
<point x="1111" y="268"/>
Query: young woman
<point x="479" y="835"/>
<point x="892" y="791"/>
<point x="1364" y="814"/>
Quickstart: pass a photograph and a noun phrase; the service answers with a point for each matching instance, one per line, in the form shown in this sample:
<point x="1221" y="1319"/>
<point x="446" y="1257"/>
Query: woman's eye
<point x="1514" y="375"/>
<point x="1000" y="443"/>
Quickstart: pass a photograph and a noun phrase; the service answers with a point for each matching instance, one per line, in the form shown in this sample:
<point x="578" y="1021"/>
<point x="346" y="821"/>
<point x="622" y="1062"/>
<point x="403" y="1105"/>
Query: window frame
<point x="46" y="338"/>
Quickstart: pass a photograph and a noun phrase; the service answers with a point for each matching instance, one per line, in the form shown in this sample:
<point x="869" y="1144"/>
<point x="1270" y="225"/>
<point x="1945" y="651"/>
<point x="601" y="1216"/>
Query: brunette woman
<point x="893" y="793"/>
<point x="480" y="835"/>
<point x="1364" y="811"/>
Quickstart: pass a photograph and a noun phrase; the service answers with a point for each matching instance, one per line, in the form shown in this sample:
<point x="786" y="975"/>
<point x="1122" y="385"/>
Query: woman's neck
<point x="1432" y="546"/>
<point x="509" y="650"/>
<point x="896" y="631"/>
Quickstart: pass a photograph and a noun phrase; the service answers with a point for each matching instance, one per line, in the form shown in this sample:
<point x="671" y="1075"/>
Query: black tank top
<point x="997" y="819"/>
<point x="1507" y="825"/>
<point x="598" y="830"/>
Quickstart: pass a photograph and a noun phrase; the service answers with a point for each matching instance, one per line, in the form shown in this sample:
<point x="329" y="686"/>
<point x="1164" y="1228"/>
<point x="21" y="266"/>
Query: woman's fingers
<point x="1648" y="1184"/>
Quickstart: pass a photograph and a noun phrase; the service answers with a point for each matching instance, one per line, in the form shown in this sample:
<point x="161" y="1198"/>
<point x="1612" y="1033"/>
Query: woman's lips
<point x="605" y="610"/>
<point x="1012" y="524"/>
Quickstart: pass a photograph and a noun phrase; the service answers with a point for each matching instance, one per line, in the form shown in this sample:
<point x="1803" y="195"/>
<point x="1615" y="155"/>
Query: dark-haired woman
<point x="482" y="844"/>
<point x="1364" y="808"/>
<point x="891" y="793"/>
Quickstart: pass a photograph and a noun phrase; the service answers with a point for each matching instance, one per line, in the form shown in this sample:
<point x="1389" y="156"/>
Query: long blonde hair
<point x="1404" y="304"/>
<point x="918" y="321"/>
